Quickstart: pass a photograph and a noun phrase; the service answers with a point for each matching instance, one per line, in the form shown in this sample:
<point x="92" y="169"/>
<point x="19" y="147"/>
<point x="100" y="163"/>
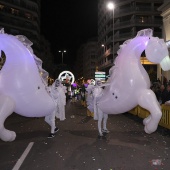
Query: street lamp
<point x="62" y="52"/>
<point x="111" y="6"/>
<point x="103" y="46"/>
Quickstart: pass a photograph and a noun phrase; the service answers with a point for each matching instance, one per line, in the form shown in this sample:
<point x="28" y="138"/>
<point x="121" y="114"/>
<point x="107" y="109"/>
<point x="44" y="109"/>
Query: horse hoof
<point x="146" y="120"/>
<point x="147" y="131"/>
<point x="9" y="136"/>
<point x="13" y="136"/>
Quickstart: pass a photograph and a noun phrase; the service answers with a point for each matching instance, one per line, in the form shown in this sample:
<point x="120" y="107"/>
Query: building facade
<point x="79" y="62"/>
<point x="130" y="16"/>
<point x="21" y="17"/>
<point x="86" y="60"/>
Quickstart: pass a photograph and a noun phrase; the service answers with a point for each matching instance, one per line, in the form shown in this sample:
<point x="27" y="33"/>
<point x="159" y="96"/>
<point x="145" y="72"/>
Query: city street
<point x="76" y="145"/>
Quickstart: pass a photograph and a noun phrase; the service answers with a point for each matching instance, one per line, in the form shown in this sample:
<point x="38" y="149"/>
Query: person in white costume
<point x="61" y="101"/>
<point x="98" y="114"/>
<point x="89" y="97"/>
<point x="57" y="91"/>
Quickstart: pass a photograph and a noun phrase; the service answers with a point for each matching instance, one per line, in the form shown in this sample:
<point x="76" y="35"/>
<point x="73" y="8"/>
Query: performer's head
<point x="57" y="83"/>
<point x="98" y="83"/>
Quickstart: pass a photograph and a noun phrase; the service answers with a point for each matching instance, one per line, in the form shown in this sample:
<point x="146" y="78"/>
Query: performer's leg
<point x="105" y="117"/>
<point x="50" y="119"/>
<point x="100" y="118"/>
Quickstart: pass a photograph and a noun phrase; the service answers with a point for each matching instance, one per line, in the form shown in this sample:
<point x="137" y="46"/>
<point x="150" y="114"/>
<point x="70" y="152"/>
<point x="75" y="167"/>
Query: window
<point x="28" y="16"/>
<point x="1" y="7"/>
<point x="14" y="11"/>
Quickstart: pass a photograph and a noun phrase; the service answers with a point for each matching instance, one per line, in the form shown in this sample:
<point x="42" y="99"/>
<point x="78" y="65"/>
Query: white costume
<point x="57" y="92"/>
<point x="61" y="102"/>
<point x="98" y="114"/>
<point x="89" y="97"/>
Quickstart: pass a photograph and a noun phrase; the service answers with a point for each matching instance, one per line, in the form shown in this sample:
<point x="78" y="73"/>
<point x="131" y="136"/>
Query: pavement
<point x="77" y="146"/>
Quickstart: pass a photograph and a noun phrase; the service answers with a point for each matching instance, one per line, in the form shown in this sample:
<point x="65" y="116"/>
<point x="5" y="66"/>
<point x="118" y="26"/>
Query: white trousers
<point x="50" y="119"/>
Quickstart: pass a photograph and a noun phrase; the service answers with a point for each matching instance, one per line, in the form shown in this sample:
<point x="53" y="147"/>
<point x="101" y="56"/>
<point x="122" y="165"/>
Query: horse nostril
<point x="113" y="94"/>
<point x="116" y="97"/>
<point x="38" y="87"/>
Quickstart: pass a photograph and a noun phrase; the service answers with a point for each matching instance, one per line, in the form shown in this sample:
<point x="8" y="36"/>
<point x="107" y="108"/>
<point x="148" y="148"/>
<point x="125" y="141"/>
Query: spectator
<point x="162" y="94"/>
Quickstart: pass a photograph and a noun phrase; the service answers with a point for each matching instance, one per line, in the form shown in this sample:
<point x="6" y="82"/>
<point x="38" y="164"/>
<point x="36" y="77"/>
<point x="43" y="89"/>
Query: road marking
<point x="23" y="156"/>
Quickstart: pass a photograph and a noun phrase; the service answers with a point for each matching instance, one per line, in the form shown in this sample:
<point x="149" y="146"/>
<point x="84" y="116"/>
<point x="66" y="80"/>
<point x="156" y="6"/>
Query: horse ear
<point x="2" y="59"/>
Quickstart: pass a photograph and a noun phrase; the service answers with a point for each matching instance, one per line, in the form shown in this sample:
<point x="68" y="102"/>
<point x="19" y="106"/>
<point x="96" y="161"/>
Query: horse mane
<point x="27" y="43"/>
<point x="113" y="70"/>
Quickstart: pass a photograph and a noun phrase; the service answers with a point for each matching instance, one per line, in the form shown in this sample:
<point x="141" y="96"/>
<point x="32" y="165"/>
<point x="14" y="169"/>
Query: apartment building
<point x="130" y="16"/>
<point x="86" y="59"/>
<point x="21" y="17"/>
<point x="79" y="62"/>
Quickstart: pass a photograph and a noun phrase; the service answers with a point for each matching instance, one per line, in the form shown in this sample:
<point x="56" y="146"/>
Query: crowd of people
<point x="162" y="91"/>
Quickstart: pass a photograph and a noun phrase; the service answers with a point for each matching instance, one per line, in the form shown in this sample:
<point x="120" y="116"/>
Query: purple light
<point x="86" y="85"/>
<point x="74" y="85"/>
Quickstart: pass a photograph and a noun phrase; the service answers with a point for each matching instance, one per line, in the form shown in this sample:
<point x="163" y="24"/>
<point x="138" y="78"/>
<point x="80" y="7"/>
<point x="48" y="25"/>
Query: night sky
<point x="66" y="24"/>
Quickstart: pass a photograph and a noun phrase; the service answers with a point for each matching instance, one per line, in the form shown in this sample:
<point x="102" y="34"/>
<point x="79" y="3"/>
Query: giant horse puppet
<point x="22" y="88"/>
<point x="130" y="83"/>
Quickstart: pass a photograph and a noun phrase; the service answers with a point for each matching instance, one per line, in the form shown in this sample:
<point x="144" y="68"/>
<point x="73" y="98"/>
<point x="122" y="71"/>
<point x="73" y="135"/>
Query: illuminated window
<point x="1" y="7"/>
<point x="14" y="11"/>
<point x="28" y="16"/>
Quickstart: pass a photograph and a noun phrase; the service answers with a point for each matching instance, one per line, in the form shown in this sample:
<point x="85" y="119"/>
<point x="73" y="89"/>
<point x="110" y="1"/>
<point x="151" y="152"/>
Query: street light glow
<point x="64" y="51"/>
<point x="110" y="5"/>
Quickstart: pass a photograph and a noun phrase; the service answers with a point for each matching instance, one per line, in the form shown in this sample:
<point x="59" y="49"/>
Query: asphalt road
<point x="77" y="147"/>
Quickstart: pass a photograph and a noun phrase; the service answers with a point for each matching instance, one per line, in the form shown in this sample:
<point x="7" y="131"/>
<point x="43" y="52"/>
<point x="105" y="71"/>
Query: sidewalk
<point x="77" y="147"/>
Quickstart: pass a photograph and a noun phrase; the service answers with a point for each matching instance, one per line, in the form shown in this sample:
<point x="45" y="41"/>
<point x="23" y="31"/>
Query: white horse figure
<point x="130" y="83"/>
<point x="22" y="89"/>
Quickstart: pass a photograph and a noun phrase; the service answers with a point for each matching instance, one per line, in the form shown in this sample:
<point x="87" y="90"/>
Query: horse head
<point x="157" y="52"/>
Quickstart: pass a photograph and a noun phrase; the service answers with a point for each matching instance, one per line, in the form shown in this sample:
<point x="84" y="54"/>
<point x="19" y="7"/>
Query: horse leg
<point x="147" y="100"/>
<point x="6" y="108"/>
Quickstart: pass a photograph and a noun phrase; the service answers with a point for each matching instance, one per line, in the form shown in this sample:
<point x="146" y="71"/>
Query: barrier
<point x="89" y="113"/>
<point x="134" y="111"/>
<point x="165" y="120"/>
<point x="143" y="113"/>
<point x="83" y="103"/>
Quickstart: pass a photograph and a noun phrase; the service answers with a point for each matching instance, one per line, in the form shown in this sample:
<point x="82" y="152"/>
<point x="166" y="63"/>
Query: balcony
<point x="20" y="4"/>
<point x="123" y="36"/>
<point x="108" y="63"/>
<point x="138" y="22"/>
<point x="106" y="53"/>
<point x="109" y="39"/>
<point x="134" y="10"/>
